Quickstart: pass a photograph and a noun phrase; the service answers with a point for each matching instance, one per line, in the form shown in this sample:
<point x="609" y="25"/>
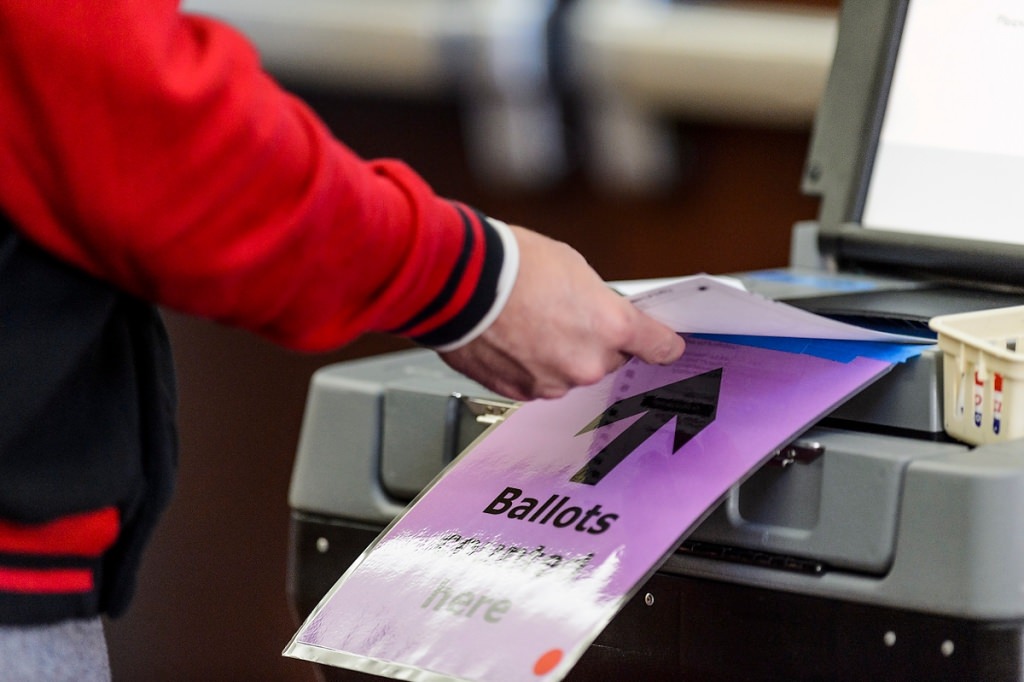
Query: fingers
<point x="653" y="342"/>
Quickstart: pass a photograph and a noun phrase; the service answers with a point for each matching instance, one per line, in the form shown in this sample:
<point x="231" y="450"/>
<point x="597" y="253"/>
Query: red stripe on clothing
<point x="45" y="581"/>
<point x="89" y="534"/>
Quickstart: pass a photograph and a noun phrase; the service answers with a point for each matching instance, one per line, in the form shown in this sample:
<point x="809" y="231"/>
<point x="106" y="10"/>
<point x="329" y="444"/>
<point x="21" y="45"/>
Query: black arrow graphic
<point x="692" y="402"/>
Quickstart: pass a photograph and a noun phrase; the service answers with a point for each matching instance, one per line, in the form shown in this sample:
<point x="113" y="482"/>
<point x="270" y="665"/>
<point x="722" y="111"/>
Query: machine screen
<point x="950" y="157"/>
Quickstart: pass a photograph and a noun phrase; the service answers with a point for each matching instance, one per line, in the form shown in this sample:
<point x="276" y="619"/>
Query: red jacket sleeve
<point x="149" y="148"/>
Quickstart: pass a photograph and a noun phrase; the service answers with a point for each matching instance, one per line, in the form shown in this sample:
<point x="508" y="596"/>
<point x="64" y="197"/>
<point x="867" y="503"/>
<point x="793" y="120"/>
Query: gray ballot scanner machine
<point x="873" y="547"/>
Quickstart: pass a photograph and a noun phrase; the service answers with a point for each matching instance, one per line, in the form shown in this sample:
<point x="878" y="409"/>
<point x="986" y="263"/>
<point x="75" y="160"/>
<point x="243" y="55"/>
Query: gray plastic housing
<point x="959" y="541"/>
<point x="841" y="509"/>
<point x="376" y="431"/>
<point x="904" y="522"/>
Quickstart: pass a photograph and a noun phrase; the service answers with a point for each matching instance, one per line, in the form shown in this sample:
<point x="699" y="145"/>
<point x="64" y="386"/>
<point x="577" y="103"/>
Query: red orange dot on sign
<point x="547" y="662"/>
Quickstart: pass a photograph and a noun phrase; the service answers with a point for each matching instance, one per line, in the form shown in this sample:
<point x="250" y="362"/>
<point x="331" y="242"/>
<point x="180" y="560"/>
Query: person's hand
<point x="561" y="327"/>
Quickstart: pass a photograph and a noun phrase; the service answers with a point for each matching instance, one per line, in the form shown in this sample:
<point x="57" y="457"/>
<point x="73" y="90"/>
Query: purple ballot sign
<point x="512" y="562"/>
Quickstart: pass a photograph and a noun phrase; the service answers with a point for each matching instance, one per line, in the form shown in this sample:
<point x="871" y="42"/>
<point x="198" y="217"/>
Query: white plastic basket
<point x="983" y="374"/>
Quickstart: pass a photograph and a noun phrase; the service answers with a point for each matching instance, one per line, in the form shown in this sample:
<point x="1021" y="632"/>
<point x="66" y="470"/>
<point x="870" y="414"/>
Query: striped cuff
<point x="493" y="242"/>
<point x="502" y="287"/>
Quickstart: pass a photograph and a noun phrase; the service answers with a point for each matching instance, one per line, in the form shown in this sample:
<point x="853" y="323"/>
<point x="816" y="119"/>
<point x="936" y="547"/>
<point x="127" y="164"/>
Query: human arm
<point x="148" y="148"/>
